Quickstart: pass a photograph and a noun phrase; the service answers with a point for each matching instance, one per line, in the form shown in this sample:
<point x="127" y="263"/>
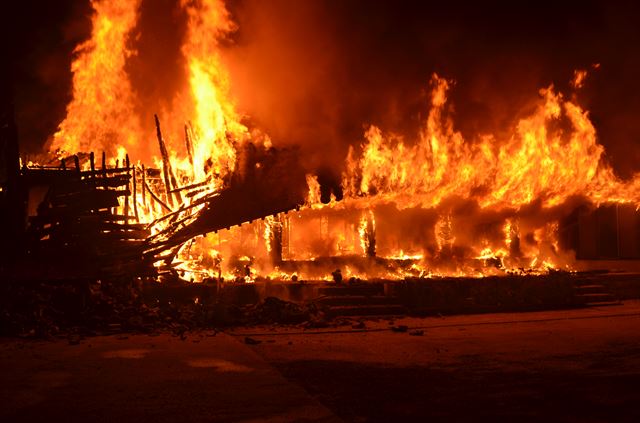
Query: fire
<point x="313" y="197"/>
<point x="367" y="230"/>
<point x="470" y="196"/>
<point x="100" y="116"/>
<point x="444" y="233"/>
<point x="217" y="123"/>
<point x="535" y="163"/>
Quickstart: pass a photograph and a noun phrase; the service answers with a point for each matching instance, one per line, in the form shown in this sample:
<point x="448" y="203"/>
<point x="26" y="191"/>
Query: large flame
<point x="100" y="115"/>
<point x="215" y="116"/>
<point x="552" y="155"/>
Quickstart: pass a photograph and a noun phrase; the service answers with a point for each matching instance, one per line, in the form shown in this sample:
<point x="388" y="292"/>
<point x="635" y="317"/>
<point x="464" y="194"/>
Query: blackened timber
<point x="267" y="182"/>
<point x="189" y="146"/>
<point x="88" y="173"/>
<point x="92" y="232"/>
<point x="109" y="217"/>
<point x="74" y="234"/>
<point x="112" y="182"/>
<point x="165" y="160"/>
<point x="144" y="186"/>
<point x="185" y="207"/>
<point x="156" y="198"/>
<point x="96" y="199"/>
<point x="195" y="192"/>
<point x="135" y="195"/>
<point x="126" y="198"/>
<point x="191" y="186"/>
<point x="108" y="224"/>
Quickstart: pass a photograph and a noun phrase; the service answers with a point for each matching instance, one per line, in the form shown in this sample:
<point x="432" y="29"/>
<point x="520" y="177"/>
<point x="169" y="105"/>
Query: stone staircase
<point x="359" y="300"/>
<point x="589" y="292"/>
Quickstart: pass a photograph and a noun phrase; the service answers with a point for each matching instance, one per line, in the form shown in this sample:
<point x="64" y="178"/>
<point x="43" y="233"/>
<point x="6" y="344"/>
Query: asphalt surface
<point x="200" y="378"/>
<point x="566" y="366"/>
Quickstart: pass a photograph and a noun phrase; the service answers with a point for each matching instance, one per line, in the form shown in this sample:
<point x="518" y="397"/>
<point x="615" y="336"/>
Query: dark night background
<point x="315" y="72"/>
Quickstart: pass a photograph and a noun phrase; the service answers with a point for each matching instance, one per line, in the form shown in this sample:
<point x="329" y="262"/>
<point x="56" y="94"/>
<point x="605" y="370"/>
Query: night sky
<point x="315" y="73"/>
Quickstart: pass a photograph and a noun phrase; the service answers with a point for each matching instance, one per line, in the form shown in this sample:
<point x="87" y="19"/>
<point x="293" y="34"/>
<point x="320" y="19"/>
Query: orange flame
<point x="536" y="163"/>
<point x="100" y="116"/>
<point x="216" y="119"/>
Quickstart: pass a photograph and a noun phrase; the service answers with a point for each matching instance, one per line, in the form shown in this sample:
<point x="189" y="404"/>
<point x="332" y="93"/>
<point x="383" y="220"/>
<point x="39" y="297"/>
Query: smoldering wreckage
<point x="215" y="225"/>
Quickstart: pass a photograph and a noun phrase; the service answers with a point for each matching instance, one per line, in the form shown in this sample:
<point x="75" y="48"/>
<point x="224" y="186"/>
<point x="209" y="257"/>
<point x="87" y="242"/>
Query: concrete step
<point x="368" y="310"/>
<point x="604" y="303"/>
<point x="591" y="289"/>
<point x="348" y="300"/>
<point x="347" y="290"/>
<point x="595" y="297"/>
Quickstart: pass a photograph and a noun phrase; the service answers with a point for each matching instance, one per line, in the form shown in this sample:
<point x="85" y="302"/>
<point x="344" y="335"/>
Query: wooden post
<point x="144" y="186"/>
<point x="104" y="162"/>
<point x="93" y="168"/>
<point x="189" y="144"/>
<point x="135" y="195"/>
<point x="165" y="161"/>
<point x="155" y="197"/>
<point x="76" y="162"/>
<point x="126" y="197"/>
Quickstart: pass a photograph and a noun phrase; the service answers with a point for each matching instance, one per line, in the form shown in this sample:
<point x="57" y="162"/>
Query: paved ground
<point x="147" y="379"/>
<point x="569" y="366"/>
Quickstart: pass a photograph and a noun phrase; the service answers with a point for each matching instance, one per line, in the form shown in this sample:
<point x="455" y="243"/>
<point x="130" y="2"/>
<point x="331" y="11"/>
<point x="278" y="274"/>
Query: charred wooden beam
<point x="144" y="186"/>
<point x="156" y="198"/>
<point x="135" y="195"/>
<point x="167" y="171"/>
<point x="277" y="185"/>
<point x="126" y="198"/>
<point x="189" y="145"/>
<point x="192" y="186"/>
<point x="76" y="162"/>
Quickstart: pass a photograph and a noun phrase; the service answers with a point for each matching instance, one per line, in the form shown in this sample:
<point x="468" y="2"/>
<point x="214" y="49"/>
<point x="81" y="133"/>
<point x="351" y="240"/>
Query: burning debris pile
<point x="77" y="230"/>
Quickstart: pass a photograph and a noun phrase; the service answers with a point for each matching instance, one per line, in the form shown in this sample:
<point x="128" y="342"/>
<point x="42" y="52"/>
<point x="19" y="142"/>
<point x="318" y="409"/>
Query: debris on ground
<point x="74" y="339"/>
<point x="400" y="328"/>
<point x="275" y="310"/>
<point x="251" y="341"/>
<point x="359" y="325"/>
<point x="91" y="308"/>
<point x="416" y="332"/>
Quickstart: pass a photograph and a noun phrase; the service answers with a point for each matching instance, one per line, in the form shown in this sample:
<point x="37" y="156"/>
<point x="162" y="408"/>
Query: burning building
<point x="206" y="192"/>
<point x="248" y="210"/>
